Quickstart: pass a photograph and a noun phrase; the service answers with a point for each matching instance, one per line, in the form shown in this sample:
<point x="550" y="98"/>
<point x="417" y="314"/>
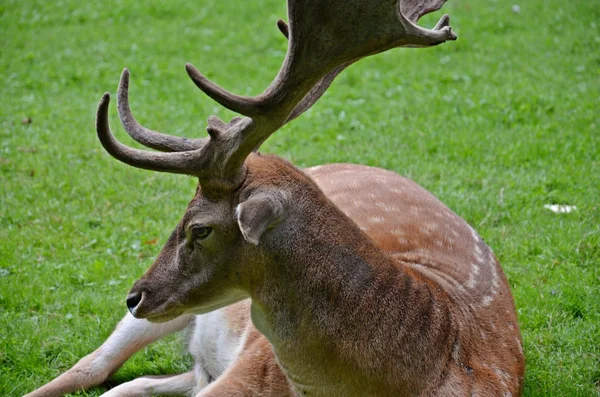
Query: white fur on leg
<point x="170" y="385"/>
<point x="130" y="336"/>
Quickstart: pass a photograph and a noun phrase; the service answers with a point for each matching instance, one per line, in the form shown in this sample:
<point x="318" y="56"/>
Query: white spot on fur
<point x="357" y="203"/>
<point x="315" y="168"/>
<point x="343" y="172"/>
<point x="474" y="234"/>
<point x="519" y="345"/>
<point x="386" y="207"/>
<point x="478" y="251"/>
<point x="403" y="241"/>
<point x="487" y="300"/>
<point x="377" y="219"/>
<point x="415" y="209"/>
<point x="504" y="378"/>
<point x="472" y="281"/>
<point x="494" y="277"/>
<point x="429" y="228"/>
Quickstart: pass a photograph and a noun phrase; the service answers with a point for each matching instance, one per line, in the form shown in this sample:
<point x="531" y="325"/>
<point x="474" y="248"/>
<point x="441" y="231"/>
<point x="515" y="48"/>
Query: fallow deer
<point x="341" y="280"/>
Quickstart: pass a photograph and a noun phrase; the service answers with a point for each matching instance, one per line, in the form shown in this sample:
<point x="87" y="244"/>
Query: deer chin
<point x="162" y="318"/>
<point x="157" y="314"/>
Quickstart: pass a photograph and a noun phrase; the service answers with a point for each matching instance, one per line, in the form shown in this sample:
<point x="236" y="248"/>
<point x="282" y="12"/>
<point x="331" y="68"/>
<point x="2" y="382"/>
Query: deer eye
<point x="201" y="232"/>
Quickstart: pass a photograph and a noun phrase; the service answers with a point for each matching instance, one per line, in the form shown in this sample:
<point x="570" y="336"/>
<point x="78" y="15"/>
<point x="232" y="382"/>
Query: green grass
<point x="497" y="124"/>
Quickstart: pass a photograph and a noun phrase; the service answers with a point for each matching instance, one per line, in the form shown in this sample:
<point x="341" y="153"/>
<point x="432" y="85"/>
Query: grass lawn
<point x="497" y="124"/>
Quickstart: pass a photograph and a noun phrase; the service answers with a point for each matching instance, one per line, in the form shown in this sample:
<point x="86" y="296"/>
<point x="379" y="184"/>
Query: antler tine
<point x="239" y="104"/>
<point x="178" y="163"/>
<point x="143" y="135"/>
<point x="283" y="28"/>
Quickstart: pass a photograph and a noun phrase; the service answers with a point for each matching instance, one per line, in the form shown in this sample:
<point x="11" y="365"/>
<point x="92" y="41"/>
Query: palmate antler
<point x="325" y="36"/>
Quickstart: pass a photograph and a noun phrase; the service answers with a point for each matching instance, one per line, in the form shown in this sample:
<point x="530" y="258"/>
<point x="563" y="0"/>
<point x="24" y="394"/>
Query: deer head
<point x="214" y="252"/>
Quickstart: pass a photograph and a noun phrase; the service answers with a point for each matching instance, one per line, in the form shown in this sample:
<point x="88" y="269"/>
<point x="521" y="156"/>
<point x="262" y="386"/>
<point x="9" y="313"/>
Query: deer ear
<point x="259" y="213"/>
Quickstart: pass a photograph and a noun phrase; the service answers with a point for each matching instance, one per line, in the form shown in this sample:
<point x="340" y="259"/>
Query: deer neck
<point x="330" y="298"/>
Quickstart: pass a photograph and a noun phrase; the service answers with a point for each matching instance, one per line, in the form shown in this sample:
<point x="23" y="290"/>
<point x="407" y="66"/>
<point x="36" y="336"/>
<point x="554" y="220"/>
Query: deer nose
<point x="133" y="300"/>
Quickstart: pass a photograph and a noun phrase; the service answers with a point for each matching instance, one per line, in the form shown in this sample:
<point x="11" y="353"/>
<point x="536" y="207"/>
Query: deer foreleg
<point x="130" y="336"/>
<point x="169" y="385"/>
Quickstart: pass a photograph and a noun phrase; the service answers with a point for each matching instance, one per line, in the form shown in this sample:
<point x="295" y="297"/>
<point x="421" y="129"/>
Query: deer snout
<point x="133" y="300"/>
<point x="138" y="296"/>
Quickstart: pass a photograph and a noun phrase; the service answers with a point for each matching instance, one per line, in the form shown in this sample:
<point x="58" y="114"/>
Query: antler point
<point x="283" y="28"/>
<point x="191" y="68"/>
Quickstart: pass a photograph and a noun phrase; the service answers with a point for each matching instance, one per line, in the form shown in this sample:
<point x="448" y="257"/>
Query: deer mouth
<point x="140" y="307"/>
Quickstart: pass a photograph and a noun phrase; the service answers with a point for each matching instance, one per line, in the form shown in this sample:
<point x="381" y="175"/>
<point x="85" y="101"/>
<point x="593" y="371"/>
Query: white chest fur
<point x="214" y="345"/>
